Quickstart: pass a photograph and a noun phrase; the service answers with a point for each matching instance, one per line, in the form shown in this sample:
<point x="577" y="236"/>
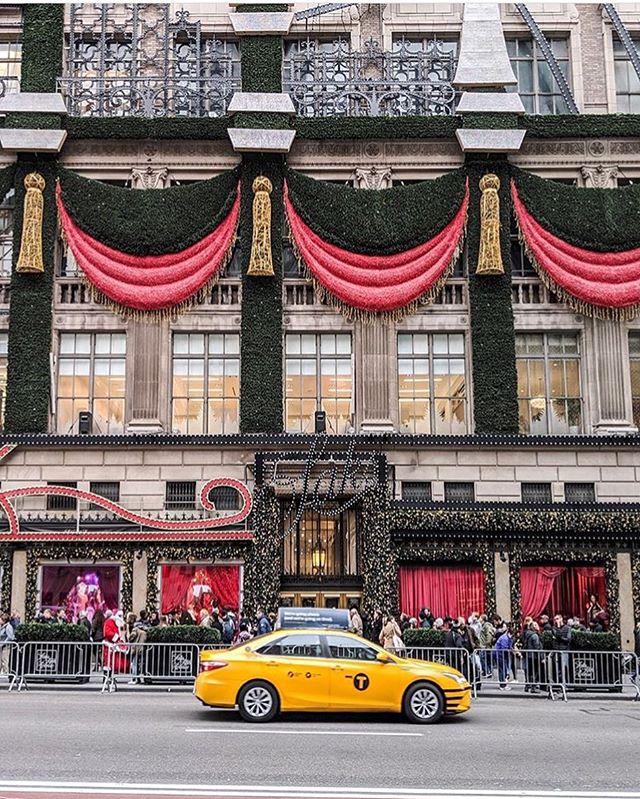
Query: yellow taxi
<point x="333" y="670"/>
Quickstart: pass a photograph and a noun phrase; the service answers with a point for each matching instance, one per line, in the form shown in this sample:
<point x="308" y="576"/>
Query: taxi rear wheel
<point x="258" y="701"/>
<point x="423" y="703"/>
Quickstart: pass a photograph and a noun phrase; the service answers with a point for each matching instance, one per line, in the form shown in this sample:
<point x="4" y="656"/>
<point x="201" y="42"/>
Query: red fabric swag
<point x="446" y="590"/>
<point x="378" y="283"/>
<point x="604" y="279"/>
<point x="152" y="282"/>
<point x="560" y="589"/>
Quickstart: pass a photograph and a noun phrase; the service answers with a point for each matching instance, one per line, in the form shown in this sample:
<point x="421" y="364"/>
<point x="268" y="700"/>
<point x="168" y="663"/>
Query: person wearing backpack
<point x="264" y="625"/>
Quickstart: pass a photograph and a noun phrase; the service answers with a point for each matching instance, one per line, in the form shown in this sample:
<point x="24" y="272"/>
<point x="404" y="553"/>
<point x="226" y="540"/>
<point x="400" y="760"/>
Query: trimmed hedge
<point x="30" y="315"/>
<point x="207" y="128"/>
<point x="183" y="634"/>
<point x="376" y="127"/>
<point x="147" y="221"/>
<point x="605" y="220"/>
<point x="377" y="222"/>
<point x="586" y="642"/>
<point x="423" y="637"/>
<point x="51" y="632"/>
<point x="493" y="352"/>
<point x="581" y="126"/>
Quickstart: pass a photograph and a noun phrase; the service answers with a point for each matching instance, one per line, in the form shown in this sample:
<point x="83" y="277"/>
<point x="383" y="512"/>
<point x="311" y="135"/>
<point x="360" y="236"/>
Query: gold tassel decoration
<point x="261" y="263"/>
<point x="30" y="258"/>
<point x="490" y="255"/>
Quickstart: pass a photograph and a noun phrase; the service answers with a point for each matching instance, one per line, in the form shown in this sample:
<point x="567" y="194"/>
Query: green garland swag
<point x="378" y="561"/>
<point x="6" y="569"/>
<point x="262" y="571"/>
<point x="148" y="221"/>
<point x="30" y="315"/>
<point x="495" y="395"/>
<point x="604" y="220"/>
<point x="377" y="222"/>
<point x="261" y="378"/>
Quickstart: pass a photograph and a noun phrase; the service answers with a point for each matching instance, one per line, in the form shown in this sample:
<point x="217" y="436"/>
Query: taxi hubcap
<point x="424" y="703"/>
<point x="258" y="701"/>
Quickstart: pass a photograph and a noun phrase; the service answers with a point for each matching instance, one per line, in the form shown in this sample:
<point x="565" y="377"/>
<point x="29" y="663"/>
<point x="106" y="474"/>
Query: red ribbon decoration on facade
<point x="600" y="284"/>
<point x="379" y="283"/>
<point x="151" y="283"/>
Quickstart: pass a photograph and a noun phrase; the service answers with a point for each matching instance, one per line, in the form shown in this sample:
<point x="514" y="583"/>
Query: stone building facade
<point x="435" y="488"/>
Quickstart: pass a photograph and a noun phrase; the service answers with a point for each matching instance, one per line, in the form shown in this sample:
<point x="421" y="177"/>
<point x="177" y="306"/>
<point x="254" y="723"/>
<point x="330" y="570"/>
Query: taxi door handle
<point x="337" y="668"/>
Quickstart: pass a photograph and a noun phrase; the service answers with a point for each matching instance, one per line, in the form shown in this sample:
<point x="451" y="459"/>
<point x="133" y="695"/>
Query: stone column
<point x="370" y="15"/>
<point x="145" y="341"/>
<point x="503" y="586"/>
<point x="613" y="412"/>
<point x="625" y="589"/>
<point x="375" y="355"/>
<point x="139" y="588"/>
<point x="19" y="583"/>
<point x="593" y="57"/>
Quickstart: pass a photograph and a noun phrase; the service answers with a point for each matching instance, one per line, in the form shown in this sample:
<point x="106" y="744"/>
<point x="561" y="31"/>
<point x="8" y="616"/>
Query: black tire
<point x="258" y="702"/>
<point x="423" y="703"/>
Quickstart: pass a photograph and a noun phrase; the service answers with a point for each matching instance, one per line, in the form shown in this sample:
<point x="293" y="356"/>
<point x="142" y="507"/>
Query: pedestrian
<point x="426" y="618"/>
<point x="228" y="627"/>
<point x="83" y="621"/>
<point x="486" y="639"/>
<point x="15" y="620"/>
<point x="186" y="618"/>
<point x="97" y="626"/>
<point x="636" y="650"/>
<point x="376" y="625"/>
<point x="391" y="635"/>
<point x="137" y="639"/>
<point x="216" y="624"/>
<point x="503" y="652"/>
<point x="532" y="650"/>
<point x="7" y="636"/>
<point x="355" y="621"/>
<point x="205" y="618"/>
<point x="545" y="624"/>
<point x="61" y="616"/>
<point x="561" y="641"/>
<point x="244" y="635"/>
<point x="263" y="624"/>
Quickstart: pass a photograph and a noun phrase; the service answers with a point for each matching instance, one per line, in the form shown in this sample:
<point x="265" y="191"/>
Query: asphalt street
<point x="153" y="736"/>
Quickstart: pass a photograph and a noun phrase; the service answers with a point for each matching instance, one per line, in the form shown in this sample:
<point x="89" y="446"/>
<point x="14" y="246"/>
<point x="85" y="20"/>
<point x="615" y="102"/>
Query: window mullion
<point x="205" y="387"/>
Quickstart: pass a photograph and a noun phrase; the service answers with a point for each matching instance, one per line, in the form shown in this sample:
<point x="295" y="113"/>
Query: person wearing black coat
<point x="532" y="649"/>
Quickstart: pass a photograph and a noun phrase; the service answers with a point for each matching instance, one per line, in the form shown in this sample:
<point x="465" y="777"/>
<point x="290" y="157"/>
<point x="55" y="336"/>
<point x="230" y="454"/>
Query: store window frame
<point x="531" y="94"/>
<point x="320" y="562"/>
<point x="622" y="63"/>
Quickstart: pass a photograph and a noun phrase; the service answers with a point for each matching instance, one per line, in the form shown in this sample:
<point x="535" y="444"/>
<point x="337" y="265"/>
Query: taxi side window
<point x="298" y="646"/>
<point x="345" y="648"/>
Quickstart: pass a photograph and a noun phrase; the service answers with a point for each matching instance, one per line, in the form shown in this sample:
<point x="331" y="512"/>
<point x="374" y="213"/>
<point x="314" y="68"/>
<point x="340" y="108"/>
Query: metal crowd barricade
<point x="557" y="672"/>
<point x="148" y="663"/>
<point x="63" y="661"/>
<point x="457" y="658"/>
<point x="10" y="661"/>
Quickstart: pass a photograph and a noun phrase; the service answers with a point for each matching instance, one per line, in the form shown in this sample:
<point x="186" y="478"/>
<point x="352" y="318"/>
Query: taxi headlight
<point x="455" y="677"/>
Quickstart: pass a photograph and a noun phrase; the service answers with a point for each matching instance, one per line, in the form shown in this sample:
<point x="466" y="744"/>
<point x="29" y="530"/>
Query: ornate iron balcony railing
<point x="329" y="79"/>
<point x="133" y="59"/>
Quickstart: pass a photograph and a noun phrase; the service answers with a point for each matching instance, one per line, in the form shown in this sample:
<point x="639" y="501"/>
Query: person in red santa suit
<point x="112" y="635"/>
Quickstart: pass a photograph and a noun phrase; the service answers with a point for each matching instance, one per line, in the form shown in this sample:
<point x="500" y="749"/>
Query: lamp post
<point x="318" y="558"/>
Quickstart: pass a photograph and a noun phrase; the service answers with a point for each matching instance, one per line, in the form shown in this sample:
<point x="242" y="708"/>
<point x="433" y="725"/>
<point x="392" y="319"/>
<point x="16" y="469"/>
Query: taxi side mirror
<point x="384" y="658"/>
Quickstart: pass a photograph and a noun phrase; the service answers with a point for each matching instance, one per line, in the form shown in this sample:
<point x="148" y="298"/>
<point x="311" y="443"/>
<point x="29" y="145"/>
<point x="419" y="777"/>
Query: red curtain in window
<point x="536" y="587"/>
<point x="561" y="589"/>
<point x="186" y="587"/>
<point x="445" y="590"/>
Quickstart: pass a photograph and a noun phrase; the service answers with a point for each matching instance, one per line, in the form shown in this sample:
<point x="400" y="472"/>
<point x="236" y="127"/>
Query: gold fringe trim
<point x="489" y="254"/>
<point x="352" y="314"/>
<point x="582" y="307"/>
<point x="173" y="312"/>
<point x="261" y="262"/>
<point x="30" y="259"/>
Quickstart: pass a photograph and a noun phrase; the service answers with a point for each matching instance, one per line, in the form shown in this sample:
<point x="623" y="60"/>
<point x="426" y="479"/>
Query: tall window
<point x="549" y="391"/>
<point x="537" y="88"/>
<point x="627" y="81"/>
<point x="3" y="375"/>
<point x="634" y="356"/>
<point x="431" y="382"/>
<point x="10" y="63"/>
<point x="6" y="235"/>
<point x="321" y="545"/>
<point x="206" y="383"/>
<point x="91" y="377"/>
<point x="319" y="374"/>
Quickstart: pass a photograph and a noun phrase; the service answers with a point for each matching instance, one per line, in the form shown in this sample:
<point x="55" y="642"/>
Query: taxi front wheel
<point x="423" y="703"/>
<point x="258" y="701"/>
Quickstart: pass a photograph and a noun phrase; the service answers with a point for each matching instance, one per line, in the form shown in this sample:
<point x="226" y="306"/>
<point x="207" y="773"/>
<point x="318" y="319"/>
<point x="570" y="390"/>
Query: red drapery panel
<point x="536" y="587"/>
<point x="379" y="283"/>
<point x="597" y="279"/>
<point x="561" y="589"/>
<point x="186" y="587"/>
<point x="445" y="590"/>
<point x="151" y="282"/>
